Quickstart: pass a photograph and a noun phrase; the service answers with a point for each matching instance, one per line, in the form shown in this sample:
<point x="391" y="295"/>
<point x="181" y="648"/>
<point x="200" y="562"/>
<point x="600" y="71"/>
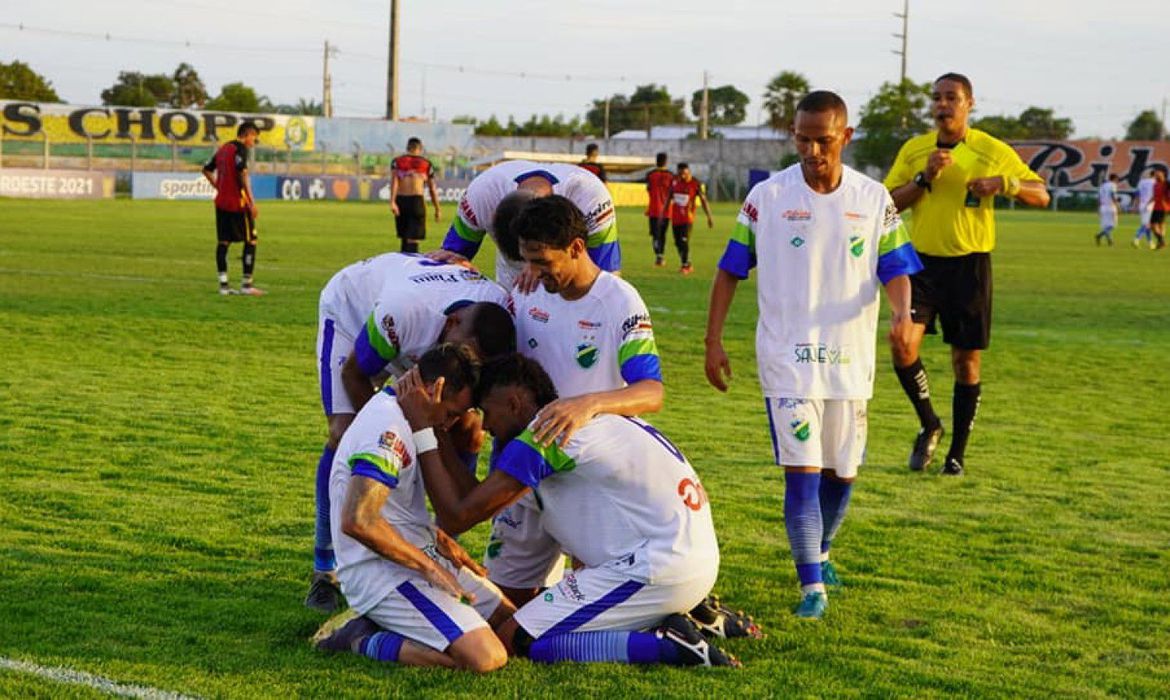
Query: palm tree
<point x="781" y="96"/>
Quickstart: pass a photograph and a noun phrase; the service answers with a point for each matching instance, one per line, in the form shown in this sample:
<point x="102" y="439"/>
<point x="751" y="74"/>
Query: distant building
<point x="678" y="132"/>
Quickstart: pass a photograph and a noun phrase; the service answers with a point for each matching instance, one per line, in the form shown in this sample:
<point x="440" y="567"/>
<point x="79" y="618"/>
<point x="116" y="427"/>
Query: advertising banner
<point x="56" y="184"/>
<point x="1081" y="166"/>
<point x="147" y="125"/>
<point x="186" y="185"/>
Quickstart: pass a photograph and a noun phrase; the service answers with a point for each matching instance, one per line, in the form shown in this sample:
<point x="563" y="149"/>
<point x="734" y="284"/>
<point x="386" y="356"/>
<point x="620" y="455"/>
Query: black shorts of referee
<point x="955" y="292"/>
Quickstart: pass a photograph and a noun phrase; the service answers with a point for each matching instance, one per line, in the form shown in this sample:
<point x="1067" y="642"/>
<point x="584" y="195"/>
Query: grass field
<point x="159" y="443"/>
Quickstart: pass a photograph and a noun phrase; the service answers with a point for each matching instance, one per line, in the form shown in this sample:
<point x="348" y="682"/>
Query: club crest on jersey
<point x="587" y="354"/>
<point x="797" y="215"/>
<point x="796" y="241"/>
<point x="537" y="314"/>
<point x="800" y="429"/>
<point x="390" y="331"/>
<point x="390" y="442"/>
<point x="856" y="246"/>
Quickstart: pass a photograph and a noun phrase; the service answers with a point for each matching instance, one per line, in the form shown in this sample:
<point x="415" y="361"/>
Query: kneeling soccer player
<point x="406" y="580"/>
<point x="618" y="495"/>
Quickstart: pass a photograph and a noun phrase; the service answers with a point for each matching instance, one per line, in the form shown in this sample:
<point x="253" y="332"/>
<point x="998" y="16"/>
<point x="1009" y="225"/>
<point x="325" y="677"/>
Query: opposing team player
<point x="824" y="237"/>
<point x="235" y="206"/>
<point x="375" y="318"/>
<point x="478" y="212"/>
<point x="405" y="578"/>
<point x="684" y="191"/>
<point x="408" y="174"/>
<point x="618" y="495"/>
<point x="1107" y="208"/>
<point x="658" y="182"/>
<point x="1144" y="205"/>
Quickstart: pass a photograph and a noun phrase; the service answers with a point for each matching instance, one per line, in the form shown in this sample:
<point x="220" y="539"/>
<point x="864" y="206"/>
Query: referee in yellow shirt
<point x="949" y="178"/>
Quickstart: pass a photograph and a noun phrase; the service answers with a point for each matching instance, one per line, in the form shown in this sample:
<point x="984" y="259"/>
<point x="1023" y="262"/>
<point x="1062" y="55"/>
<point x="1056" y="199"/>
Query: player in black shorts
<point x="408" y="175"/>
<point x="235" y="207"/>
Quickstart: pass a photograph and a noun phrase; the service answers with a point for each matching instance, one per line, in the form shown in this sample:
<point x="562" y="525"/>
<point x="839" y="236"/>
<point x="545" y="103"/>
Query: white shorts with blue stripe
<point x="824" y="433"/>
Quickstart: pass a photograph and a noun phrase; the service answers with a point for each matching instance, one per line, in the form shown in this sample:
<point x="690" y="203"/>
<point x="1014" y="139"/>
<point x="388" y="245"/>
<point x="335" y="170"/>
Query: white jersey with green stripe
<point x="378" y="445"/>
<point x="821" y="259"/>
<point x="477" y="208"/>
<point x="411" y="307"/>
<point x="618" y="489"/>
<point x="600" y="342"/>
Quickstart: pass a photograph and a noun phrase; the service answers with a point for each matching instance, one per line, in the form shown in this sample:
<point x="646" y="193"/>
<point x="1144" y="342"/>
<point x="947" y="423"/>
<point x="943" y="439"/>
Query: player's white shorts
<point x="614" y="596"/>
<point x="1108" y="217"/>
<point x="431" y="616"/>
<point x="1146" y="210"/>
<point x="333" y="346"/>
<point x="520" y="554"/>
<point x="825" y="433"/>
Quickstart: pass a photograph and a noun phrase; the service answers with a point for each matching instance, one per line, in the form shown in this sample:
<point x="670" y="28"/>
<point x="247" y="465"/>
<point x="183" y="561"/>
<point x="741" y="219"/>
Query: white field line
<point x="104" y="685"/>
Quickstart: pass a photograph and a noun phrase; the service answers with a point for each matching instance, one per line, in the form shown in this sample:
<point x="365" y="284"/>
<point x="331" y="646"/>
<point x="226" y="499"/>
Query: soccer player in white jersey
<point x="824" y="237"/>
<point x="375" y="317"/>
<point x="407" y="582"/>
<point x="593" y="333"/>
<point x="478" y="208"/>
<point x="1107" y="208"/>
<point x="618" y="494"/>
<point x="1145" y="208"/>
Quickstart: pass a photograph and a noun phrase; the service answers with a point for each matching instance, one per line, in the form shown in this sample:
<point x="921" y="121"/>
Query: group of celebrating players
<point x="421" y="356"/>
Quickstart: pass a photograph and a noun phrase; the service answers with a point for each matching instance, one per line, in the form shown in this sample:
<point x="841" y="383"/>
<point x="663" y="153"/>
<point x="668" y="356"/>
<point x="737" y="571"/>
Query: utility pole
<point x="327" y="83"/>
<point x="904" y="36"/>
<point x="424" y="91"/>
<point x="605" y="130"/>
<point x="703" y="110"/>
<point x="392" y="66"/>
<point x="1162" y="135"/>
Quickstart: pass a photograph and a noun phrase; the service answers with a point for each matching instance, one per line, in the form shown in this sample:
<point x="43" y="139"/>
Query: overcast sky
<point x="1097" y="62"/>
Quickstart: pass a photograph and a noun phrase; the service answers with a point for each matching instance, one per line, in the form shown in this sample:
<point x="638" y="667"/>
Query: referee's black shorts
<point x="411" y="222"/>
<point x="234" y="227"/>
<point x="957" y="292"/>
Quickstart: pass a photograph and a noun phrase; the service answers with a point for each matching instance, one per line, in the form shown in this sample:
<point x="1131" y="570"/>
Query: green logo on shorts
<point x="856" y="246"/>
<point x="548" y="597"/>
<point x="493" y="548"/>
<point x="800" y="429"/>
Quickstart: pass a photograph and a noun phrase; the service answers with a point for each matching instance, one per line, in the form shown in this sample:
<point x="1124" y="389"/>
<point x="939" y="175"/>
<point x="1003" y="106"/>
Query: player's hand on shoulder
<point x="717" y="366"/>
<point x="559" y="420"/>
<point x="527" y="280"/>
<point x="451" y="257"/>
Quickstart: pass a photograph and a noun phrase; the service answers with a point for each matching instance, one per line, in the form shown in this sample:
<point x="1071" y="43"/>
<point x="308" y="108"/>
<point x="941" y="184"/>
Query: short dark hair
<point x="413" y="142"/>
<point x="506" y="212"/>
<point x="246" y="127"/>
<point x="493" y="329"/>
<point x="457" y="364"/>
<point x="591" y="149"/>
<point x="1113" y="176"/>
<point x="660" y="159"/>
<point x="516" y="370"/>
<point x="958" y="78"/>
<point x="683" y="166"/>
<point x="823" y="101"/>
<point x="553" y="221"/>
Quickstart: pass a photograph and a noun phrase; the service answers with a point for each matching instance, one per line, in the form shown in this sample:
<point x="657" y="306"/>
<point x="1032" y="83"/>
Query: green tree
<point x="1041" y="123"/>
<point x="20" y="82"/>
<point x="1146" y="126"/>
<point x="190" y="92"/>
<point x="308" y="107"/>
<point x="135" y="89"/>
<point x="647" y="106"/>
<point x="725" y="105"/>
<point x="894" y="114"/>
<point x="780" y="98"/>
<point x="237" y="97"/>
<point x="492" y="127"/>
<point x="1001" y="126"/>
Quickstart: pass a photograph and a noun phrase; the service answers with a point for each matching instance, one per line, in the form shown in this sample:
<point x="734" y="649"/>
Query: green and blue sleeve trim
<point x="463" y="239"/>
<point x="530" y="463"/>
<point x="740" y="255"/>
<point x="374" y="466"/>
<point x="371" y="350"/>
<point x="639" y="360"/>
<point x="604" y="249"/>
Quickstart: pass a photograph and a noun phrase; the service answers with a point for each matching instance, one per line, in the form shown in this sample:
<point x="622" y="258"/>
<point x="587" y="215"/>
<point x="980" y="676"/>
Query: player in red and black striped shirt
<point x="658" y="182"/>
<point x="592" y="153"/>
<point x="235" y="207"/>
<point x="683" y="192"/>
<point x="408" y="174"/>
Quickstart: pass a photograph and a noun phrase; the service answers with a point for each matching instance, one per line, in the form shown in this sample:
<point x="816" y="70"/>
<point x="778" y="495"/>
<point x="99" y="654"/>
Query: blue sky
<point x="1088" y="61"/>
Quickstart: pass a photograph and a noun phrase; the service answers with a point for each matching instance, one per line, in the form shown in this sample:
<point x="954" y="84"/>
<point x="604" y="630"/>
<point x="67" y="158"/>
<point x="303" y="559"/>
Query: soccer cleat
<point x="659" y="262"/>
<point x="226" y="291"/>
<point x="686" y="269"/>
<point x="713" y="620"/>
<point x="812" y="606"/>
<point x="1135" y="243"/>
<point x="1153" y="245"/>
<point x="693" y="650"/>
<point x="953" y="467"/>
<point x="324" y="592"/>
<point x="829" y="575"/>
<point x="341" y="631"/>
<point x="924" y="446"/>
<point x="250" y="291"/>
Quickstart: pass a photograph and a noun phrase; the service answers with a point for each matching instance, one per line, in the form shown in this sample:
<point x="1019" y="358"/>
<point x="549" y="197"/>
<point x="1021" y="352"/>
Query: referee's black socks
<point x="917" y="388"/>
<point x="965" y="405"/>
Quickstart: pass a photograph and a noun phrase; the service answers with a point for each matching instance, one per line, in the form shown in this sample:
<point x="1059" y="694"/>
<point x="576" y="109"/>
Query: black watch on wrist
<point x="921" y="181"/>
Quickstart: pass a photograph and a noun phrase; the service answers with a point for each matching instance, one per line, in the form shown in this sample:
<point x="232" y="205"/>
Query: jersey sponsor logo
<point x="390" y="331"/>
<point x="569" y="588"/>
<point x="854" y="216"/>
<point x="800" y="429"/>
<point x="856" y="246"/>
<point x="796" y="215"/>
<point x="393" y="444"/>
<point x="468" y="214"/>
<point x="749" y="210"/>
<point x="635" y="323"/>
<point x="587" y="354"/>
<point x="538" y="314"/>
<point x="694" y="496"/>
<point x="599" y="215"/>
<point x="796" y="241"/>
<point x="588" y="325"/>
<point x="891" y="219"/>
<point x="820" y="354"/>
<point x="792" y="403"/>
<point x="446" y="277"/>
<point x="505" y="518"/>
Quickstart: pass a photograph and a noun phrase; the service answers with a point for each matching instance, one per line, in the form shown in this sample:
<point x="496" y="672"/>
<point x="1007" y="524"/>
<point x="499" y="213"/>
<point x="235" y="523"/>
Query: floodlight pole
<point x="392" y="67"/>
<point x="904" y="36"/>
<point x="703" y="110"/>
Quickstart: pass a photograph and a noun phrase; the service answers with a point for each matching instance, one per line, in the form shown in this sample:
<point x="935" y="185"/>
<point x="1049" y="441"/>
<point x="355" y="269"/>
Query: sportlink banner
<point x="1082" y="166"/>
<point x="148" y="125"/>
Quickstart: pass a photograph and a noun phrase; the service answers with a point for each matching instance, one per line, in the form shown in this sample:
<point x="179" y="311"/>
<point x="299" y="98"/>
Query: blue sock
<point x="620" y="647"/>
<point x="802" y="519"/>
<point x="834" y="502"/>
<point x="382" y="646"/>
<point x="323" y="559"/>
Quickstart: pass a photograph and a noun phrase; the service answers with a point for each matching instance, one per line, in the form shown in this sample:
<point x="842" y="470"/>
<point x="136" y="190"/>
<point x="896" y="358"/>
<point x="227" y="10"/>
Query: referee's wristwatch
<point x="921" y="181"/>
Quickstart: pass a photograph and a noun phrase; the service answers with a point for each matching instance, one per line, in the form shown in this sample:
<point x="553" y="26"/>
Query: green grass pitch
<point x="159" y="443"/>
